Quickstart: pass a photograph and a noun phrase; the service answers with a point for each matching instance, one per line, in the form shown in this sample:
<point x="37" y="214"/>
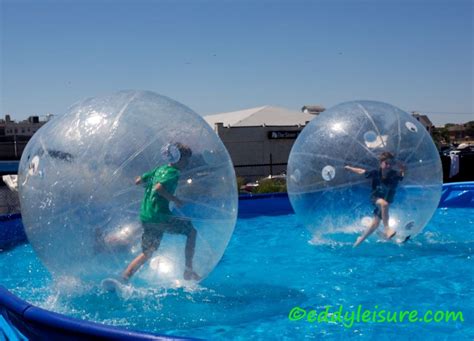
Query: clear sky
<point x="219" y="56"/>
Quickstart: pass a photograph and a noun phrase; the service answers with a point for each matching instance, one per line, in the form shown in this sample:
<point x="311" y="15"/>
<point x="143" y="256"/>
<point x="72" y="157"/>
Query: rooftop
<point x="259" y="116"/>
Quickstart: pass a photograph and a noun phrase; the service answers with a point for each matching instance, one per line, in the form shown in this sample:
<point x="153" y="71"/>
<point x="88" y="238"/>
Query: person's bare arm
<point x="355" y="170"/>
<point x="402" y="169"/>
<point x="167" y="195"/>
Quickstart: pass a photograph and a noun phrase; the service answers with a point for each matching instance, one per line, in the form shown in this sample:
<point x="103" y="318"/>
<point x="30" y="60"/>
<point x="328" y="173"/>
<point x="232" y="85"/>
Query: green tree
<point x="440" y="136"/>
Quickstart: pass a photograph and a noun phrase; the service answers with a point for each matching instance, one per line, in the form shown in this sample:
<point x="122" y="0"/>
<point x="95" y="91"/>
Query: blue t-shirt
<point x="384" y="187"/>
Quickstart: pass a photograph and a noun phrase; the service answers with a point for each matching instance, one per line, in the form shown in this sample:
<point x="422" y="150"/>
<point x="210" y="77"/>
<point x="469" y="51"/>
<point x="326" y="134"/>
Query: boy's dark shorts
<point x="153" y="232"/>
<point x="377" y="211"/>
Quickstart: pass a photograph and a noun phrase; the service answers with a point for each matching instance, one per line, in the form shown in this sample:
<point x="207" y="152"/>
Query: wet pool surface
<point x="269" y="268"/>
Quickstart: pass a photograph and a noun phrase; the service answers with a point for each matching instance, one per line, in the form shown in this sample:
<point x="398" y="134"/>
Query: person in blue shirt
<point x="384" y="184"/>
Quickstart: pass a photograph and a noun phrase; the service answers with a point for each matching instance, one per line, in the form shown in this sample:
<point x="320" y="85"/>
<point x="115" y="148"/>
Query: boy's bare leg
<point x="189" y="273"/>
<point x="135" y="265"/>
<point x="368" y="232"/>
<point x="384" y="206"/>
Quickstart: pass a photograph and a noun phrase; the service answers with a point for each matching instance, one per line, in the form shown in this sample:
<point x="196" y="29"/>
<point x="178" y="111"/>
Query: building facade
<point x="259" y="140"/>
<point x="424" y="120"/>
<point x="15" y="135"/>
<point x="459" y="133"/>
<point x="257" y="152"/>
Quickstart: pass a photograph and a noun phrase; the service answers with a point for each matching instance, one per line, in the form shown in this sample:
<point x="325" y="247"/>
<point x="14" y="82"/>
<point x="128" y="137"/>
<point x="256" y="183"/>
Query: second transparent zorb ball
<point x="333" y="201"/>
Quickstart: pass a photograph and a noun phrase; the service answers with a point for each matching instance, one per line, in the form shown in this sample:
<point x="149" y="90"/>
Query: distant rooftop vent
<point x="313" y="109"/>
<point x="33" y="119"/>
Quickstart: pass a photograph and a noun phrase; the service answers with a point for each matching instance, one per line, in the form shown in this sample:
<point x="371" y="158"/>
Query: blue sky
<point x="218" y="56"/>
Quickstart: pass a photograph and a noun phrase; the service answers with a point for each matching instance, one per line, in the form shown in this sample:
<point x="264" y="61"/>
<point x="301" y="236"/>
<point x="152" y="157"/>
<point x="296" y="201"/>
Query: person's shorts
<point x="153" y="232"/>
<point x="377" y="212"/>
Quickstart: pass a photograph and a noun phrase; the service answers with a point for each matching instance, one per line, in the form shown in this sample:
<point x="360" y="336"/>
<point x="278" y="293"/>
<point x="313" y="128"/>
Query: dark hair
<point x="184" y="149"/>
<point x="386" y="156"/>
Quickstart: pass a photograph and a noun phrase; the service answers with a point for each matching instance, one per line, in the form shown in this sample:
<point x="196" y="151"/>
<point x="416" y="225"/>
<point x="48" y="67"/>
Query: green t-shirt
<point x="155" y="208"/>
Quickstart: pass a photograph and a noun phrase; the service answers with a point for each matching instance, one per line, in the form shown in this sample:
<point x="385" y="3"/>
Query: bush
<point x="271" y="186"/>
<point x="240" y="182"/>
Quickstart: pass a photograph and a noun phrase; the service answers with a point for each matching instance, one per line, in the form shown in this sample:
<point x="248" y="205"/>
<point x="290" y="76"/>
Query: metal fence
<point x="9" y="201"/>
<point x="257" y="171"/>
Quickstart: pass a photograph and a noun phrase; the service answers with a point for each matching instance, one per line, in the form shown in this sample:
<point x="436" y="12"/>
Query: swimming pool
<point x="270" y="268"/>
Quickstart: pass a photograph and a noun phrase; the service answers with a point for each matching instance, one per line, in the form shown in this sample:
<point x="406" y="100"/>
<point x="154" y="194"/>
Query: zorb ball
<point x="80" y="203"/>
<point x="333" y="201"/>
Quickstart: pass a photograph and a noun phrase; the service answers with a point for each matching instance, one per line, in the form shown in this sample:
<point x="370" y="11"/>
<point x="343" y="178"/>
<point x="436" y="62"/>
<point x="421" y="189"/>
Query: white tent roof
<point x="255" y="117"/>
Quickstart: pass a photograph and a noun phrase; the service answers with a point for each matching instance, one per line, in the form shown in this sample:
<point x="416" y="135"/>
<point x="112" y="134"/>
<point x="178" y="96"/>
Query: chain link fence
<point x="258" y="171"/>
<point x="9" y="200"/>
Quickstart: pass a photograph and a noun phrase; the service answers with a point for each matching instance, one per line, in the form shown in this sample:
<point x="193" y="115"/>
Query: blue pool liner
<point x="457" y="194"/>
<point x="20" y="320"/>
<point x="11" y="231"/>
<point x="454" y="195"/>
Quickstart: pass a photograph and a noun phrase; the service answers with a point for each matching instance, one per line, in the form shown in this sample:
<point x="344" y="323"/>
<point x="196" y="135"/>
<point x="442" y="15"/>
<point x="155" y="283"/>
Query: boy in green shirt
<point x="155" y="215"/>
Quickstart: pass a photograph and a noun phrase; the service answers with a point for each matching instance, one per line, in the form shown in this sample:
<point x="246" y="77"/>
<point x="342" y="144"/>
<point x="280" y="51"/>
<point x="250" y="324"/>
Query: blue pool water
<point x="268" y="269"/>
